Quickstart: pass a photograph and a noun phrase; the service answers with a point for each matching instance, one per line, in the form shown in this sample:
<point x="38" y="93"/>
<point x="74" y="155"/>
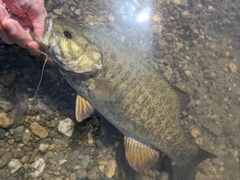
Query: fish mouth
<point x="47" y="31"/>
<point x="48" y="26"/>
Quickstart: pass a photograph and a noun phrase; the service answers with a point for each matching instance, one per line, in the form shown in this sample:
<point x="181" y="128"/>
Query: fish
<point x="126" y="90"/>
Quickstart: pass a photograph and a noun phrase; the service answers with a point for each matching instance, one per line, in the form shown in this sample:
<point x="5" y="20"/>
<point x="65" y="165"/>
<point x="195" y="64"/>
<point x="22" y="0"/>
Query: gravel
<point x="194" y="44"/>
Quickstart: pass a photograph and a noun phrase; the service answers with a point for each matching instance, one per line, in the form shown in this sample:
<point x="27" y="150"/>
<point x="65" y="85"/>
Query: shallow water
<point x="195" y="45"/>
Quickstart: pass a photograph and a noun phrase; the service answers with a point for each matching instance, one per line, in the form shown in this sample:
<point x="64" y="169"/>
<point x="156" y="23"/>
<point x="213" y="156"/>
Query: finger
<point x="37" y="14"/>
<point x="34" y="48"/>
<point x="3" y="13"/>
<point x="16" y="33"/>
<point x="3" y="16"/>
<point x="5" y="37"/>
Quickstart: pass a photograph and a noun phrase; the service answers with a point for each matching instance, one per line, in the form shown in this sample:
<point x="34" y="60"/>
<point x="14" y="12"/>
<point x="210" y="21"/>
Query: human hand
<point x="25" y="15"/>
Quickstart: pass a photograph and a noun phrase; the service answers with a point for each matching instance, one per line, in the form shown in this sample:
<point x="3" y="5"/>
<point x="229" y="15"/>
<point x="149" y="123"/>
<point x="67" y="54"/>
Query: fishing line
<point x="40" y="80"/>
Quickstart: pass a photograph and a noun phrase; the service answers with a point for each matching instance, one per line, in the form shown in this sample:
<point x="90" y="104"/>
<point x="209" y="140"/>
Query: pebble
<point x="164" y="176"/>
<point x="11" y="141"/>
<point x="102" y="162"/>
<point x="111" y="18"/>
<point x="195" y="133"/>
<point x="57" y="11"/>
<point x="168" y="59"/>
<point x="33" y="156"/>
<point x="188" y="73"/>
<point x="110" y="169"/>
<point x="85" y="161"/>
<point x="38" y="130"/>
<point x="4" y="104"/>
<point x="231" y="164"/>
<point x="73" y="176"/>
<point x="18" y="133"/>
<point x="162" y="45"/>
<point x="168" y="73"/>
<point x="180" y="2"/>
<point x="215" y="130"/>
<point x="235" y="141"/>
<point x="156" y="18"/>
<point x="5" y="120"/>
<point x="14" y="165"/>
<point x="38" y="166"/>
<point x="77" y="11"/>
<point x="43" y="147"/>
<point x="185" y="14"/>
<point x="81" y="173"/>
<point x="5" y="159"/>
<point x="101" y="168"/>
<point x="90" y="138"/>
<point x="7" y="79"/>
<point x="92" y="175"/>
<point x="27" y="137"/>
<point x="232" y="67"/>
<point x="228" y="129"/>
<point x="66" y="127"/>
<point x="177" y="2"/>
<point x="2" y="133"/>
<point x="25" y="158"/>
<point x="226" y="54"/>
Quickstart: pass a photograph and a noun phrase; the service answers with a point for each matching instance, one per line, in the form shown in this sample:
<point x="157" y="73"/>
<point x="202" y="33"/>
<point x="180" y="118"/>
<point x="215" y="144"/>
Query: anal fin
<point x="83" y="108"/>
<point x="139" y="156"/>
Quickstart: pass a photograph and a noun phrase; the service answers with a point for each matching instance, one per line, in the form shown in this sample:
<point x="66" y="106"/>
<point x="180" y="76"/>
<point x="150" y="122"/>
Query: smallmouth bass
<point x="127" y="91"/>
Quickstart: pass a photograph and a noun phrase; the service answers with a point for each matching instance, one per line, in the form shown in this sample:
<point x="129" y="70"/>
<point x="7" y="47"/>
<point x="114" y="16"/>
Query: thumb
<point x="37" y="14"/>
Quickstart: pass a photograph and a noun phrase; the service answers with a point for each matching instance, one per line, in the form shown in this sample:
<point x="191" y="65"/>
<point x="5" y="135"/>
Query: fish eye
<point x="67" y="34"/>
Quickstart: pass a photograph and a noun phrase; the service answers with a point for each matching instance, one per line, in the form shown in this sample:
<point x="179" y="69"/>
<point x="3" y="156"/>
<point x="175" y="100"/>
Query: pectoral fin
<point x="139" y="156"/>
<point x="83" y="108"/>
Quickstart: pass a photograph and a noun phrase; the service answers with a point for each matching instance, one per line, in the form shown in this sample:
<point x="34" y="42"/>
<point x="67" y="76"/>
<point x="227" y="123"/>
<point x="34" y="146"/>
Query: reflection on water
<point x="194" y="44"/>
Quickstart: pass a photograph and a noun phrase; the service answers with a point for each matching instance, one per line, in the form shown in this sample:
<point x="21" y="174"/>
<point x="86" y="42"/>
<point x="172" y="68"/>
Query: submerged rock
<point x="66" y="127"/>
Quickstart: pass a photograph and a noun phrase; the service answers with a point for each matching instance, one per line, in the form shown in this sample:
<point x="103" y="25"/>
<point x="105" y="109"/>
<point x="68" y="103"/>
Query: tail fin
<point x="188" y="171"/>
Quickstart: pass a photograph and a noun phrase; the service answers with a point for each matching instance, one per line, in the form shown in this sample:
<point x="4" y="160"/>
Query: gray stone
<point x="215" y="130"/>
<point x="4" y="104"/>
<point x="162" y="45"/>
<point x="168" y="59"/>
<point x="81" y="173"/>
<point x="185" y="14"/>
<point x="231" y="164"/>
<point x="27" y="137"/>
<point x="5" y="159"/>
<point x="85" y="161"/>
<point x="73" y="176"/>
<point x="18" y="133"/>
<point x="92" y="175"/>
<point x="2" y="133"/>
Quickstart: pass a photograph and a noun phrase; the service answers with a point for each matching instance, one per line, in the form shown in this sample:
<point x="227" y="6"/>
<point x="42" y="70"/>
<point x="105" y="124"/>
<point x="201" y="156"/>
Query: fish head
<point x="69" y="46"/>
